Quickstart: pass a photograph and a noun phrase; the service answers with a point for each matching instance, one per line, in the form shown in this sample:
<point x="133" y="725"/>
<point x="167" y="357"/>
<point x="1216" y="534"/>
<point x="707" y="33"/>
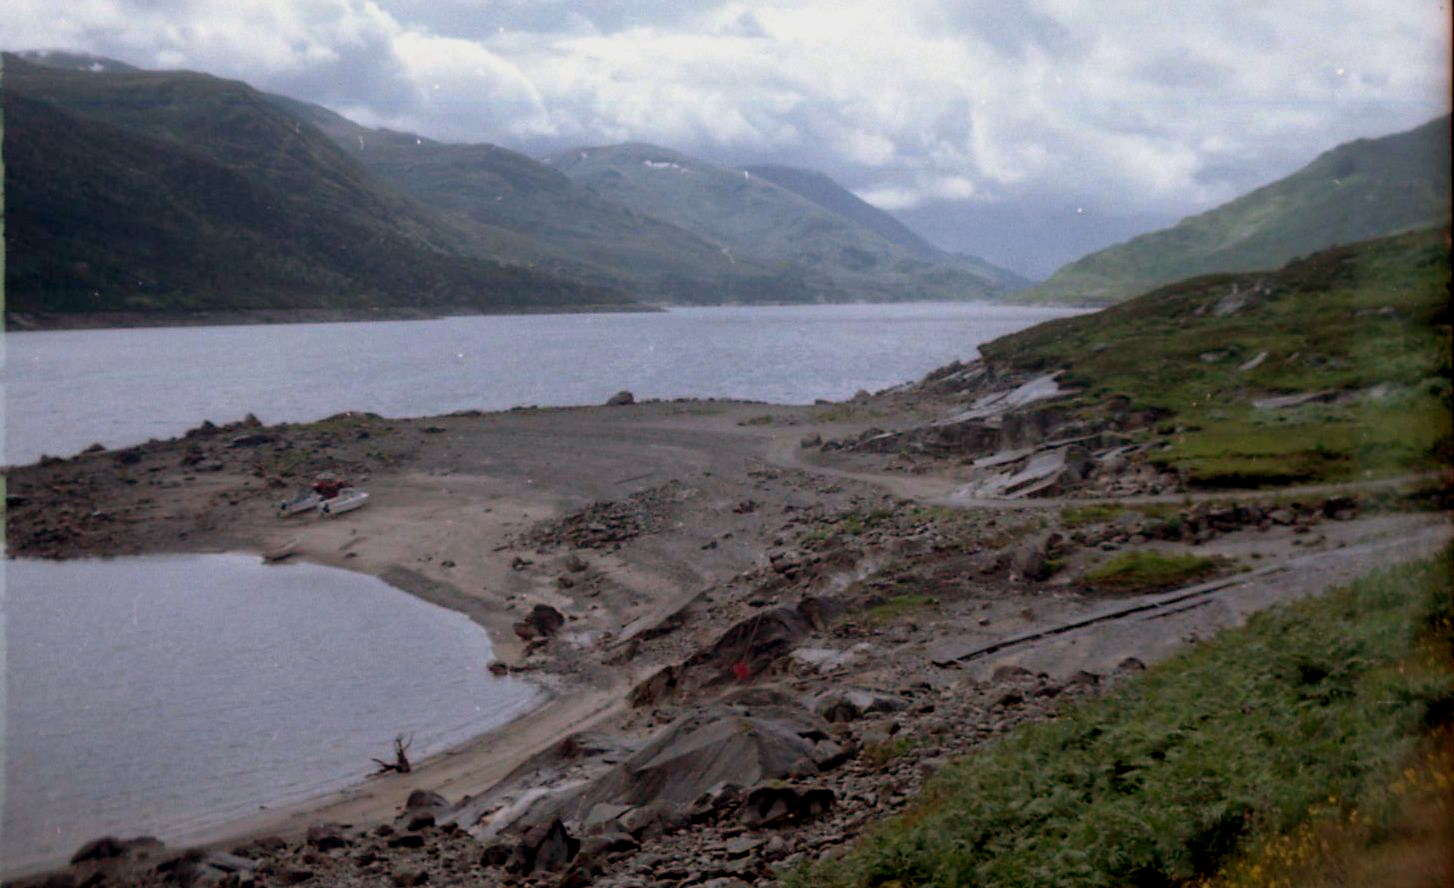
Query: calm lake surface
<point x="65" y="390"/>
<point x="166" y="695"/>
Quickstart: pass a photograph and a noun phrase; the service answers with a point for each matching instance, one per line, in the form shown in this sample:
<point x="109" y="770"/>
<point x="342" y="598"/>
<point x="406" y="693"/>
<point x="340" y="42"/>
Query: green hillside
<point x="753" y="220"/>
<point x="559" y="225"/>
<point x="828" y="194"/>
<point x="1334" y="367"/>
<point x="166" y="191"/>
<point x="1362" y="189"/>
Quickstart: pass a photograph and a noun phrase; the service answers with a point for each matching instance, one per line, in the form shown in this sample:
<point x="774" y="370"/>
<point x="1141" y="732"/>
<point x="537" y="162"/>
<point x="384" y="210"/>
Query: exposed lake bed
<point x="680" y="548"/>
<point x="652" y="529"/>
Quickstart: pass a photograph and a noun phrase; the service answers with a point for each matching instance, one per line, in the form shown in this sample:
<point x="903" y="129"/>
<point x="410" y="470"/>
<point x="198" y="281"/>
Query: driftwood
<point x="401" y="758"/>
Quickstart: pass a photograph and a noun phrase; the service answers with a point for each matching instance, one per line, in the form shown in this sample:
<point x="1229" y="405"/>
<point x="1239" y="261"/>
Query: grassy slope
<point x="1359" y="190"/>
<point x="1367" y="325"/>
<point x="154" y="190"/>
<point x="834" y="198"/>
<point x="1306" y="711"/>
<point x="757" y="221"/>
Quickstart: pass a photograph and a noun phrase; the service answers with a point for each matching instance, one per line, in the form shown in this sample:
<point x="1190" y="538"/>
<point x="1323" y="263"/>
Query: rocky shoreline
<point x="770" y="625"/>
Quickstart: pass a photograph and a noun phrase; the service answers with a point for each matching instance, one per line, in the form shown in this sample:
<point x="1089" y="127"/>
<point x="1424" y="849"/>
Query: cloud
<point x="1133" y="105"/>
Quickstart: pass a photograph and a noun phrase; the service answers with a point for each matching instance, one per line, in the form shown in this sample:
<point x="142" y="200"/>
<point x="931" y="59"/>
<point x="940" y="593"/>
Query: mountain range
<point x="1359" y="190"/>
<point x="129" y="189"/>
<point x="174" y="190"/>
<point x="168" y="191"/>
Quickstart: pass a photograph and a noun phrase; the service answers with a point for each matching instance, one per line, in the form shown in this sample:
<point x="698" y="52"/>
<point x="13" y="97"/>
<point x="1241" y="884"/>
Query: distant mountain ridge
<point x="1359" y="190"/>
<point x="752" y="219"/>
<point x="175" y="191"/>
<point x="354" y="207"/>
<point x="556" y="223"/>
<point x="828" y="194"/>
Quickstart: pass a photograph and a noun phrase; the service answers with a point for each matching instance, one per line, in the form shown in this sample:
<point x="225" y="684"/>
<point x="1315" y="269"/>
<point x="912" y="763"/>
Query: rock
<point x="813" y="440"/>
<point x="659" y="686"/>
<point x="410" y="875"/>
<point x="1340" y="508"/>
<point x="607" y="843"/>
<point x="423" y="798"/>
<point x="574" y="563"/>
<point x="621" y="399"/>
<point x="602" y="815"/>
<point x="543" y="621"/>
<point x="252" y="440"/>
<point x="543" y="848"/>
<point x="324" y="836"/>
<point x="295" y="875"/>
<point x="103" y="848"/>
<point x="769" y="805"/>
<point x="715" y="802"/>
<point x="652" y="819"/>
<point x="496" y="854"/>
<point x="1030" y="559"/>
<point x="851" y="704"/>
<point x="743" y="846"/>
<point x="1283" y="517"/>
<point x="95" y="448"/>
<point x="1131" y="664"/>
<point x="1252" y="363"/>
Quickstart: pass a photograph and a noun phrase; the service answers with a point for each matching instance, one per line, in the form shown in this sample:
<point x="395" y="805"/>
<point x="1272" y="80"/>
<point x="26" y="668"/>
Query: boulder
<point x="324" y="836"/>
<point x="103" y="848"/>
<point x="770" y="805"/>
<point x="621" y="399"/>
<point x="851" y="704"/>
<point x="653" y="819"/>
<point x="543" y="621"/>
<point x="703" y="752"/>
<point x="1031" y="559"/>
<point x="423" y="798"/>
<point x="542" y="848"/>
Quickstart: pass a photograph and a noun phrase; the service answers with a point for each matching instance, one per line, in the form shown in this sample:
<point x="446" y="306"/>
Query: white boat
<point x="348" y="499"/>
<point x="304" y="501"/>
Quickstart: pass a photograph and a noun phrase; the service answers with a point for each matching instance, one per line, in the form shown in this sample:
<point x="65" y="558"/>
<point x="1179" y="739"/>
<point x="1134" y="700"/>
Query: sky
<point x="1025" y="131"/>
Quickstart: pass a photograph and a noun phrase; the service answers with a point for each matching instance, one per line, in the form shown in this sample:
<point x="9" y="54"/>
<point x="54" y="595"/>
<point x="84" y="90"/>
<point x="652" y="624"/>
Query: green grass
<point x="1193" y="763"/>
<point x="1367" y="324"/>
<point x="896" y="607"/>
<point x="1147" y="571"/>
<point x="1094" y="513"/>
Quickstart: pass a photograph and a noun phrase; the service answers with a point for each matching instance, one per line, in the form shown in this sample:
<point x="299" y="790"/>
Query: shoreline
<point x="40" y="321"/>
<point x="32" y="321"/>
